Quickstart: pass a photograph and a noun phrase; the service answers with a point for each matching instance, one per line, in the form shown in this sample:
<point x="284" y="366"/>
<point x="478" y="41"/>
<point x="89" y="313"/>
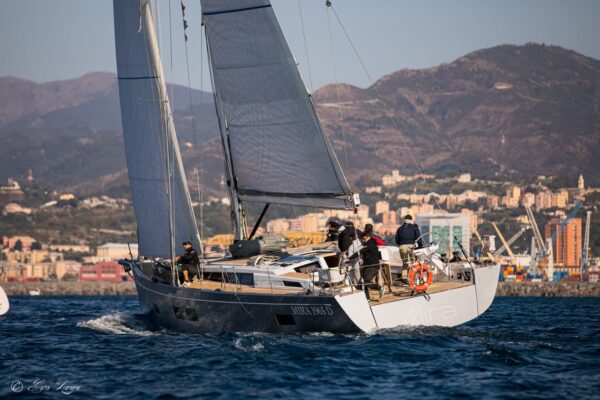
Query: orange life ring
<point x="415" y="277"/>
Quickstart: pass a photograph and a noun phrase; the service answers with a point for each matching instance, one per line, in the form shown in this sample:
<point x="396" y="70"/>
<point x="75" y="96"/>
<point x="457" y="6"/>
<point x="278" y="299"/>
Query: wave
<point x="248" y="344"/>
<point x="117" y="323"/>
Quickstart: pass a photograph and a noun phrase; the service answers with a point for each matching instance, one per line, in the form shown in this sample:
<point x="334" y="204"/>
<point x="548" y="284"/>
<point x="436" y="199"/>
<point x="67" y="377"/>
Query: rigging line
<point x="171" y="56"/>
<point x="172" y="161"/>
<point x="337" y="88"/>
<point x="305" y="47"/>
<point x="189" y="82"/>
<point x="382" y="101"/>
<point x="200" y="156"/>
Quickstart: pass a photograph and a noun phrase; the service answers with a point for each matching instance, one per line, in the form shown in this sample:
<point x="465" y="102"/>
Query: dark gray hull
<point x="196" y="311"/>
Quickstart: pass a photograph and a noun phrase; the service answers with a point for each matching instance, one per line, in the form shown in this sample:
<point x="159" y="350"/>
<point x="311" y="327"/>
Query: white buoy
<point x="4" y="305"/>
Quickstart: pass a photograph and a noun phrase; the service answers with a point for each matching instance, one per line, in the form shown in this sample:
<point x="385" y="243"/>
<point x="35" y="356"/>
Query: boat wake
<point x="248" y="343"/>
<point x="117" y="323"/>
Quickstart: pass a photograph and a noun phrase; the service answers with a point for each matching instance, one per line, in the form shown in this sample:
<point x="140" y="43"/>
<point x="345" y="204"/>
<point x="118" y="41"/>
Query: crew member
<point x="376" y="237"/>
<point x="187" y="261"/>
<point x="406" y="236"/>
<point x="370" y="264"/>
<point x="345" y="238"/>
<point x="332" y="231"/>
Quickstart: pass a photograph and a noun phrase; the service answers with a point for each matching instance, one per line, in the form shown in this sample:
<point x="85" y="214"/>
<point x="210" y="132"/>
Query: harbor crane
<point x="585" y="250"/>
<point x="540" y="249"/>
<point x="510" y="241"/>
<point x="505" y="245"/>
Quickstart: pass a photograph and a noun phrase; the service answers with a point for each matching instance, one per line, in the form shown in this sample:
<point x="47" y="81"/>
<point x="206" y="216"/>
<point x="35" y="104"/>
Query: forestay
<point x="149" y="133"/>
<point x="278" y="150"/>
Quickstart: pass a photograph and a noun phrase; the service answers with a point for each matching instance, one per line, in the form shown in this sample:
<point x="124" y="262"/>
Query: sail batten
<point x="277" y="147"/>
<point x="153" y="159"/>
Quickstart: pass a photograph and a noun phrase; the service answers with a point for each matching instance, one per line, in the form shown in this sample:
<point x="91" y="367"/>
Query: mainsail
<point x="274" y="143"/>
<point x="153" y="158"/>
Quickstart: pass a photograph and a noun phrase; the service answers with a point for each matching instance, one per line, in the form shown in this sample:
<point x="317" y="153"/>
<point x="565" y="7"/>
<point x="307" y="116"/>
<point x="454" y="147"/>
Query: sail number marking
<point x="325" y="310"/>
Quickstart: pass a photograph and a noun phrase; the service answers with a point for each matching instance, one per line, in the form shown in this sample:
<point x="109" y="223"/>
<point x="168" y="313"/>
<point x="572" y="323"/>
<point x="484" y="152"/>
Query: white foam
<point x="116" y="323"/>
<point x="239" y="344"/>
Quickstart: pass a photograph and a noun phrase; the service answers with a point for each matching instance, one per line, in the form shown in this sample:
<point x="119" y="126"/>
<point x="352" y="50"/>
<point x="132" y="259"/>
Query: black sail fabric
<point x="149" y="134"/>
<point x="279" y="152"/>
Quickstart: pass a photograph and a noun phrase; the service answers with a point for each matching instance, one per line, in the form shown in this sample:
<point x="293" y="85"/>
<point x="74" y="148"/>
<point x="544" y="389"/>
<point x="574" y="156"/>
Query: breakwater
<point x="549" y="289"/>
<point x="506" y="289"/>
<point x="70" y="288"/>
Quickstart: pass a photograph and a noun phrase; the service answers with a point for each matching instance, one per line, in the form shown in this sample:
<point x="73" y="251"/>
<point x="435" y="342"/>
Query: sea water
<point x="101" y="347"/>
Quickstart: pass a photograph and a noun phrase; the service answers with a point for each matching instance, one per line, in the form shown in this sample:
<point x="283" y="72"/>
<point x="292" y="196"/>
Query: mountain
<point x="69" y="132"/>
<point x="508" y="111"/>
<point x="504" y="112"/>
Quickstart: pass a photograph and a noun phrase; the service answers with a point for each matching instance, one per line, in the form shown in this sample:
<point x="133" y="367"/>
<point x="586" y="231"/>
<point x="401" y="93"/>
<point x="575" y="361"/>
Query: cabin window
<point x="308" y="268"/>
<point x="292" y="284"/>
<point x="285" y="319"/>
<point x="240" y="279"/>
<point x="332" y="261"/>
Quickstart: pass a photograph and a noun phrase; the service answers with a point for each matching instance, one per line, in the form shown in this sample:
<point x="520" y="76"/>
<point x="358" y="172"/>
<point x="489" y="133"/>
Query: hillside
<point x="504" y="112"/>
<point x="508" y="111"/>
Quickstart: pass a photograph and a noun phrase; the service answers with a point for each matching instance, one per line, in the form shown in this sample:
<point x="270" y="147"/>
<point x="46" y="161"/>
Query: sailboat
<point x="4" y="304"/>
<point x="276" y="152"/>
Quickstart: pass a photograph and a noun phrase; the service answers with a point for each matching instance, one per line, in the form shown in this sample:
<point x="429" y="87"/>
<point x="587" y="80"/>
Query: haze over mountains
<point x="504" y="112"/>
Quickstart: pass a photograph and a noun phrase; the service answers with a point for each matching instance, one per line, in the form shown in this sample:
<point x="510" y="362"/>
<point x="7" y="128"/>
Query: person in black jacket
<point x="370" y="264"/>
<point x="406" y="237"/>
<point x="188" y="261"/>
<point x="347" y="236"/>
<point x="332" y="231"/>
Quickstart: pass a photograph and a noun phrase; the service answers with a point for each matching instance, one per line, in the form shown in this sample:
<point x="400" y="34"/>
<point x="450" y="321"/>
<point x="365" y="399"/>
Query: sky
<point x="45" y="40"/>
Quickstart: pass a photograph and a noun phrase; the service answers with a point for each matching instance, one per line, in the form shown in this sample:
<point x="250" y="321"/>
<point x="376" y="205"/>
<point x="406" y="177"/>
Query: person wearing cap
<point x="187" y="260"/>
<point x="406" y="236"/>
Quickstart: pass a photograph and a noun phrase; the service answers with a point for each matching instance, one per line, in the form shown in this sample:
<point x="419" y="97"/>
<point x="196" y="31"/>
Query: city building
<point x="11" y="191"/>
<point x="493" y="201"/>
<point x="389" y="218"/>
<point x="447" y="228"/>
<point x="103" y="272"/>
<point x="14" y="208"/>
<point x="393" y="179"/>
<point x="373" y="189"/>
<point x="381" y="207"/>
<point x="116" y="251"/>
<point x="26" y="242"/>
<point x="560" y="199"/>
<point x="513" y="196"/>
<point x="464" y="178"/>
<point x="68" y="247"/>
<point x="567" y="238"/>
<point x="543" y="200"/>
<point x="528" y="199"/>
<point x="41" y="271"/>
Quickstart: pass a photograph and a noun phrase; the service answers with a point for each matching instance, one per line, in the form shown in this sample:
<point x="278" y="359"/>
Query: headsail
<point x="276" y="145"/>
<point x="149" y="133"/>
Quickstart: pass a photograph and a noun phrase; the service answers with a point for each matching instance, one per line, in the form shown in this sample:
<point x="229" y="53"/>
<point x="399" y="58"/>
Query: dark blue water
<point x="98" y="347"/>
